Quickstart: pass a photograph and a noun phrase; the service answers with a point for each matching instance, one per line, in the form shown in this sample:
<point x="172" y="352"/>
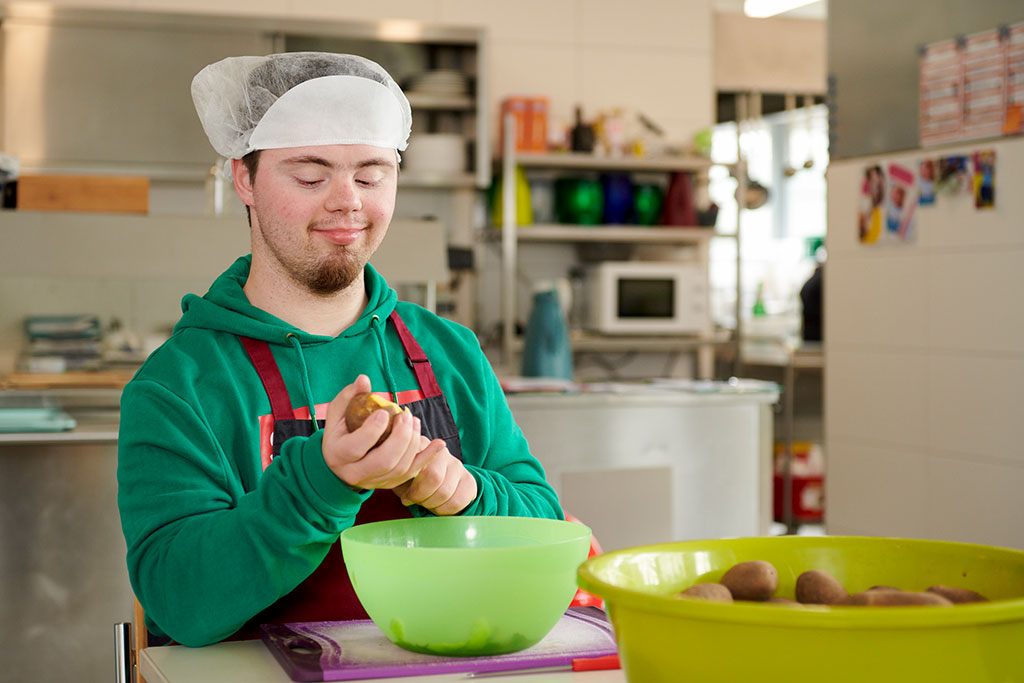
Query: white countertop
<point x="250" y="662"/>
<point x="656" y="392"/>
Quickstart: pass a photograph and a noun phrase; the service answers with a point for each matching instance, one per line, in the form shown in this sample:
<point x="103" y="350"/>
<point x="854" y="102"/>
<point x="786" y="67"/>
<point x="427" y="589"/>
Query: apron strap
<point x="266" y="367"/>
<point x="417" y="359"/>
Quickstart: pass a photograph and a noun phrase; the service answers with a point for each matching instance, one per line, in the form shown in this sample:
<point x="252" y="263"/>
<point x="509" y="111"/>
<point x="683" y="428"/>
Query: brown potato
<point x="883" y="587"/>
<point x="363" y="405"/>
<point x="752" y="580"/>
<point x="894" y="598"/>
<point x="957" y="595"/>
<point x="714" y="592"/>
<point x="818" y="587"/>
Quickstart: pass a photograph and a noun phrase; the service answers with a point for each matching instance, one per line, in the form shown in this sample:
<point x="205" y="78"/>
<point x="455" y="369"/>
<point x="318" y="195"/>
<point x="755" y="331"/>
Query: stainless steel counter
<point x="63" y="579"/>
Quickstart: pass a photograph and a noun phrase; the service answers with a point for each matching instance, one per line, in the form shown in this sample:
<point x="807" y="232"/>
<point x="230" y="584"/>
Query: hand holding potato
<point x="361" y="406"/>
<point x="366" y="457"/>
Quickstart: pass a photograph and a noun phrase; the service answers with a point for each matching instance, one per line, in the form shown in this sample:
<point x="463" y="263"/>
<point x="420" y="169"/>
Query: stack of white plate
<point x="446" y="81"/>
<point x="435" y="152"/>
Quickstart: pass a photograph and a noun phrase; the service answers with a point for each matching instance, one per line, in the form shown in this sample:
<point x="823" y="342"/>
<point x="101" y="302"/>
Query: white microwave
<point x="646" y="297"/>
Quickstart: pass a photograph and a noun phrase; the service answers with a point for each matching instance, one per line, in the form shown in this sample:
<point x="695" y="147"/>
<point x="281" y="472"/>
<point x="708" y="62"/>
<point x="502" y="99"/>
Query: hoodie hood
<point x="226" y="308"/>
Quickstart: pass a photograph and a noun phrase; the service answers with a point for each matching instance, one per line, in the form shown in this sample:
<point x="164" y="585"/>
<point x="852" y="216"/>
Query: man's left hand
<point x="444" y="486"/>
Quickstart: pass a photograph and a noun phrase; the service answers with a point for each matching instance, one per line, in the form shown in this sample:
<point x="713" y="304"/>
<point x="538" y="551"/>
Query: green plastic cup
<point x="465" y="586"/>
<point x="665" y="638"/>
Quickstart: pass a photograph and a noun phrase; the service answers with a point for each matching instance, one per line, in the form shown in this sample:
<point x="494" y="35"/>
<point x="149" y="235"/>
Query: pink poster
<point x="902" y="203"/>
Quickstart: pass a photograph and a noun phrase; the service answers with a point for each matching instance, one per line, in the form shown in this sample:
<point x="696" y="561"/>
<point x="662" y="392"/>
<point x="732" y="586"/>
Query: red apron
<point x="327" y="593"/>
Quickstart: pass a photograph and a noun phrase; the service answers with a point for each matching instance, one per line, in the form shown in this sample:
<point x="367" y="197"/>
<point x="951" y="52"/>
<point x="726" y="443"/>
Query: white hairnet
<point x="297" y="99"/>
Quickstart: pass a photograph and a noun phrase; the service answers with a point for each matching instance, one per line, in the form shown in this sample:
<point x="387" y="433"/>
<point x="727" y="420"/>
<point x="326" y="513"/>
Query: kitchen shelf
<point x="436" y="179"/>
<point x="579" y="160"/>
<point x="512" y="235"/>
<point x="440" y="102"/>
<point x="555" y="232"/>
<point x="590" y="342"/>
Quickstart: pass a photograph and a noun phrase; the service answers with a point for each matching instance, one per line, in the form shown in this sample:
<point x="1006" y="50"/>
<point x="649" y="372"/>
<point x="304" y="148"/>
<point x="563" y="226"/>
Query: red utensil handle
<point x="596" y="663"/>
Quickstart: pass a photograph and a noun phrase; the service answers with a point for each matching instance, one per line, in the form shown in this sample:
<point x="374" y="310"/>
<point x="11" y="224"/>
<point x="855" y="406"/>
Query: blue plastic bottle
<point x="547" y="351"/>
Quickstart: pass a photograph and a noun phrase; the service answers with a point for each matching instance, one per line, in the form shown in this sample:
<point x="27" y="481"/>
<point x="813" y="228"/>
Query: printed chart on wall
<point x="893" y="193"/>
<point x="972" y="87"/>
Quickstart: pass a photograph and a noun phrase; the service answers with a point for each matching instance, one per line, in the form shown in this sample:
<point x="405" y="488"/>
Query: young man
<point x="236" y="471"/>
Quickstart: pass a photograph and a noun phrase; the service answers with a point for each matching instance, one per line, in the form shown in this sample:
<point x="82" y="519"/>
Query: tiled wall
<point x="925" y="364"/>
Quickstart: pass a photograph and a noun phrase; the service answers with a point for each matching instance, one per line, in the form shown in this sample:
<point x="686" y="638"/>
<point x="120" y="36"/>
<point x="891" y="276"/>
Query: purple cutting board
<point x="355" y="650"/>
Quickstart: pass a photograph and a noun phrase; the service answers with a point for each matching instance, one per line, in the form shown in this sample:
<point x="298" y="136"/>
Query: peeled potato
<point x="363" y="405"/>
<point x="779" y="600"/>
<point x="714" y="592"/>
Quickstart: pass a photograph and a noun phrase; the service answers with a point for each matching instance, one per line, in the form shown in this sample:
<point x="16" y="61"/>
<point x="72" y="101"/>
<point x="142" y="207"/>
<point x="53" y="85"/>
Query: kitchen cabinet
<point x="512" y="236"/>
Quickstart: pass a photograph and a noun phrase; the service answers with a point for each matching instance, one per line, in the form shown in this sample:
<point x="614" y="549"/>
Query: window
<point x="787" y="153"/>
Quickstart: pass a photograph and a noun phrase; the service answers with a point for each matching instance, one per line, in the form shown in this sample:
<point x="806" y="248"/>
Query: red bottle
<point x="679" y="207"/>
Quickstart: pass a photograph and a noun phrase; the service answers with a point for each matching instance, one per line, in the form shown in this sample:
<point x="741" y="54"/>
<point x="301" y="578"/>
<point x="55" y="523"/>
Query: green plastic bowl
<point x="465" y="586"/>
<point x="663" y="638"/>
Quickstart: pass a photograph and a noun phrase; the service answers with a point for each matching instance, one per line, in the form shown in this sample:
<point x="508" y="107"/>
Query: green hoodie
<point x="214" y="538"/>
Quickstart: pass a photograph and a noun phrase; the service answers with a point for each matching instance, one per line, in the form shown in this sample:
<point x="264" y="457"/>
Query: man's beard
<point x="322" y="275"/>
<point x="329" y="275"/>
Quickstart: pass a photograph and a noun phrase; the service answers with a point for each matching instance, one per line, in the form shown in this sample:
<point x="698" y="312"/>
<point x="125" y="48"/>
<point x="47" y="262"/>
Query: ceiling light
<point x="768" y="8"/>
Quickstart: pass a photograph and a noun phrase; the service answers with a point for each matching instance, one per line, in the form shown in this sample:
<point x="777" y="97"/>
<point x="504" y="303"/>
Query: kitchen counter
<point x="250" y="662"/>
<point x="96" y="413"/>
<point x="63" y="569"/>
<point x="637" y="464"/>
<point x="660" y="461"/>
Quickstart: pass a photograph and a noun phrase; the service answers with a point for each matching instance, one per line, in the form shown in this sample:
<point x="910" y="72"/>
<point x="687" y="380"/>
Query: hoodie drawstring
<point x="378" y="327"/>
<point x="294" y="340"/>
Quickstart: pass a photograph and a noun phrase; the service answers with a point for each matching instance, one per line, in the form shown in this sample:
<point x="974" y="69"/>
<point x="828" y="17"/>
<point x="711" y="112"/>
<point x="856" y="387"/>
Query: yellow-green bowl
<point x="465" y="586"/>
<point x="664" y="638"/>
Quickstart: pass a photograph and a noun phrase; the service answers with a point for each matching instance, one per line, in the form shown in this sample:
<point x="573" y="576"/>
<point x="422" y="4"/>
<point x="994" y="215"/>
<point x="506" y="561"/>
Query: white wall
<point x="924" y="343"/>
<point x="776" y="54"/>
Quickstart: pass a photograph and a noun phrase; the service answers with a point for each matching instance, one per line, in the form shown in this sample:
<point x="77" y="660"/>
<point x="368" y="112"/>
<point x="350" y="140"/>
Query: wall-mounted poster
<point x="972" y="87"/>
<point x="872" y="200"/>
<point x="1014" y="122"/>
<point x="985" y="179"/>
<point x="953" y="178"/>
<point x="901" y="203"/>
<point x="926" y="173"/>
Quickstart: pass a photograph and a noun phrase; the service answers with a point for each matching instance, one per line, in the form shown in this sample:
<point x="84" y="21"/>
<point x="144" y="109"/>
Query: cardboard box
<point x="531" y="117"/>
<point x="101" y="193"/>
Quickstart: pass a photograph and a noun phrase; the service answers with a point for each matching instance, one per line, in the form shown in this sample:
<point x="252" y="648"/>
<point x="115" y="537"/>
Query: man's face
<point x="319" y="213"/>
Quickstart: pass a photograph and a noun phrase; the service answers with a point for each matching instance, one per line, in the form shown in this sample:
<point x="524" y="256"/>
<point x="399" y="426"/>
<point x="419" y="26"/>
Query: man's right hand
<point x="351" y="455"/>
